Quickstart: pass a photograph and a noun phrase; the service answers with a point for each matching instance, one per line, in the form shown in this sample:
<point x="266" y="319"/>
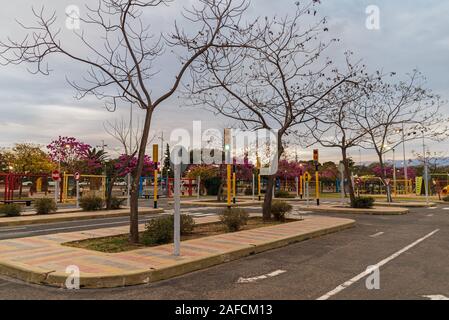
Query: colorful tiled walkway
<point x="44" y="260"/>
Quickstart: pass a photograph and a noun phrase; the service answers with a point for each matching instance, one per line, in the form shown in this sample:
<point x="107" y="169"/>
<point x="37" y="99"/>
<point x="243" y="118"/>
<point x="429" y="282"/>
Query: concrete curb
<point x="65" y="217"/>
<point x="381" y="211"/>
<point x="405" y="204"/>
<point x="138" y="277"/>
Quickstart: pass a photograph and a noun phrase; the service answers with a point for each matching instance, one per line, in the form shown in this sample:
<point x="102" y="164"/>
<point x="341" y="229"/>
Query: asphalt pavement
<point x="411" y="252"/>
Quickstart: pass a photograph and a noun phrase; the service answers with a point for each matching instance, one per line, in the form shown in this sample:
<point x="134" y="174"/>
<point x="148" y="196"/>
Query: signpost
<point x="177" y="206"/>
<point x="77" y="180"/>
<point x="227" y="147"/>
<point x="317" y="175"/>
<point x="155" y="160"/>
<point x="307" y="178"/>
<point x="56" y="176"/>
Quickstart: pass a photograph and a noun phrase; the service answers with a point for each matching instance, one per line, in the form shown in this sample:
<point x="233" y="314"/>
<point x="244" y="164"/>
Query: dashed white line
<point x="377" y="234"/>
<point x="262" y="277"/>
<point x="432" y="208"/>
<point x="378" y="265"/>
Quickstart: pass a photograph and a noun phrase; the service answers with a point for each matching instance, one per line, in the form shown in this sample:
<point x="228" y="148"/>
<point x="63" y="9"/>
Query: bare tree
<point x="393" y="108"/>
<point x="275" y="81"/>
<point x="337" y="126"/>
<point x="122" y="64"/>
<point x="128" y="137"/>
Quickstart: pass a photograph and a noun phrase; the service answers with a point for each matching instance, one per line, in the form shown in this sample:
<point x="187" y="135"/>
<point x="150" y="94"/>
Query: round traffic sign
<point x="77" y="176"/>
<point x="55" y="175"/>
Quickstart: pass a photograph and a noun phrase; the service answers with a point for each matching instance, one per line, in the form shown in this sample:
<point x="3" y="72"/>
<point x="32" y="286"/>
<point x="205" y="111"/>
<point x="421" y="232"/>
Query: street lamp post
<point x="405" y="160"/>
<point x="394" y="173"/>
<point x="426" y="175"/>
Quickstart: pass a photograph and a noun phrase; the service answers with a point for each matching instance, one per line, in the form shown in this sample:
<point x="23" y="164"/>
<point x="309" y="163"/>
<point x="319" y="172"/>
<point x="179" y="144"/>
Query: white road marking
<point x="437" y="297"/>
<point x="12" y="229"/>
<point x="378" y="265"/>
<point x="445" y="208"/>
<point x="265" y="276"/>
<point x="377" y="234"/>
<point x="429" y="215"/>
<point x="432" y="208"/>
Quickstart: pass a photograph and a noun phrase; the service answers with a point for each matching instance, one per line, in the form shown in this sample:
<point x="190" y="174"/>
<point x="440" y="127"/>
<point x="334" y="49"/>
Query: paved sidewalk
<point x="70" y="215"/>
<point x="43" y="260"/>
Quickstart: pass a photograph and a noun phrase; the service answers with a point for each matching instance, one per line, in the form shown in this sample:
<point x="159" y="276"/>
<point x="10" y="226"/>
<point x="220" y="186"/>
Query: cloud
<point x="36" y="108"/>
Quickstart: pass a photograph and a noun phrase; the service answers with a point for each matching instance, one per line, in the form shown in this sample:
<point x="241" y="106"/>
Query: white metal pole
<point x="405" y="160"/>
<point x="394" y="173"/>
<point x="426" y="177"/>
<point x="77" y="194"/>
<point x="199" y="186"/>
<point x="177" y="205"/>
<point x="254" y="186"/>
<point x="297" y="186"/>
<point x="308" y="194"/>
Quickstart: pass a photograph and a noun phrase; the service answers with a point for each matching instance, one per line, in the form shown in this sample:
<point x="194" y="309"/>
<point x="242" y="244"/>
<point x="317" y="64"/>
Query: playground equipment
<point x="15" y="182"/>
<point x="187" y="186"/>
<point x="93" y="185"/>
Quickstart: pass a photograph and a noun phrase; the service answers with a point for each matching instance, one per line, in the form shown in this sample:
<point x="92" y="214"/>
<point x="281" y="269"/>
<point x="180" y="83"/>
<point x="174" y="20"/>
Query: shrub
<point x="160" y="230"/>
<point x="234" y="219"/>
<point x="45" y="206"/>
<point x="279" y="209"/>
<point x="91" y="203"/>
<point x="446" y="199"/>
<point x="11" y="210"/>
<point x="187" y="224"/>
<point x="363" y="202"/>
<point x="283" y="194"/>
<point x="116" y="203"/>
<point x="249" y="191"/>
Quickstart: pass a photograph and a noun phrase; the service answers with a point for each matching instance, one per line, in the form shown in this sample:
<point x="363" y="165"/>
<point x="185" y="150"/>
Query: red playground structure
<point x="14" y="181"/>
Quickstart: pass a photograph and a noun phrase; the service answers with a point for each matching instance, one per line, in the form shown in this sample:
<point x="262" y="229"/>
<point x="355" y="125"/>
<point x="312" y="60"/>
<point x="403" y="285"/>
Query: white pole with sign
<point x="77" y="179"/>
<point x="177" y="204"/>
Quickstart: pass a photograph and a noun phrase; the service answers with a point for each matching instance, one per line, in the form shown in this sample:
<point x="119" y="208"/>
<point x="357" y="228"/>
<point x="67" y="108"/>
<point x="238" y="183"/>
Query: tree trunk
<point x="384" y="177"/>
<point x="134" y="214"/>
<point x="109" y="192"/>
<point x="268" y="199"/>
<point x="348" y="177"/>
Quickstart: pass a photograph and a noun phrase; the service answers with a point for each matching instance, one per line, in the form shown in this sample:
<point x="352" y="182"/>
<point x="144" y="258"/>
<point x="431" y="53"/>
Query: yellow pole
<point x="65" y="185"/>
<point x="317" y="187"/>
<point x="300" y="186"/>
<point x="229" y="185"/>
<point x="258" y="186"/>
<point x="234" y="182"/>
<point x="155" y="160"/>
<point x="155" y="188"/>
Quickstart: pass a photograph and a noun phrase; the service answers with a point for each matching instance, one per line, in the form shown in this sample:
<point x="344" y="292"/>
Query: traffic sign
<point x="55" y="175"/>
<point x="316" y="155"/>
<point x="387" y="181"/>
<point x="77" y="176"/>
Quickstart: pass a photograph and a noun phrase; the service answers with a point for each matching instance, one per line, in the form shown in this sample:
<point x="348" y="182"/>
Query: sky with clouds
<point x="36" y="108"/>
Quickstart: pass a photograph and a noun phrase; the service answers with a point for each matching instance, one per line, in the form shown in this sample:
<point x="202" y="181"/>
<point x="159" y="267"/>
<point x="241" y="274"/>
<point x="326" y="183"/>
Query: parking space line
<point x="262" y="277"/>
<point x="377" y="234"/>
<point x="378" y="265"/>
